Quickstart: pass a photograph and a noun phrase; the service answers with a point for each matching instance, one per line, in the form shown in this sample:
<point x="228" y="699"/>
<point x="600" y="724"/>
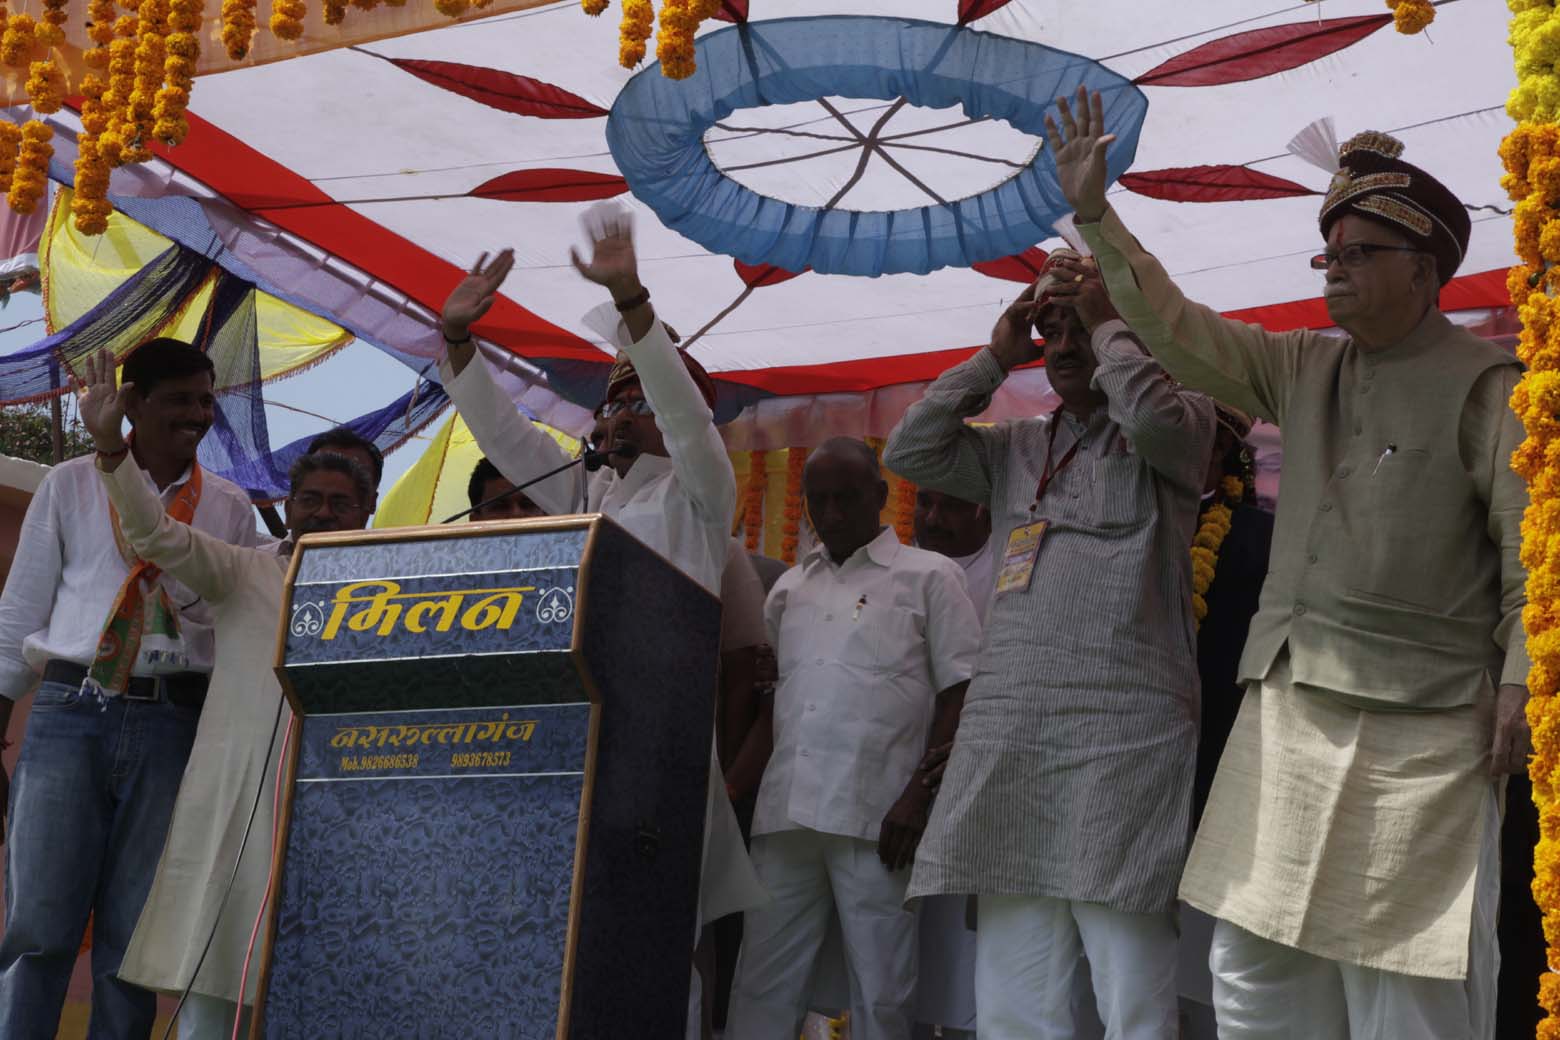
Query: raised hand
<point x="102" y="404"/>
<point x="1011" y="341"/>
<point x="475" y="294"/>
<point x="1078" y="149"/>
<point x="612" y="263"/>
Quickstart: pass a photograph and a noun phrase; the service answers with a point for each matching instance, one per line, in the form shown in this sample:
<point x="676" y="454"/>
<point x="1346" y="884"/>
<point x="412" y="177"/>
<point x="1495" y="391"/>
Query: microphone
<point x="593" y="461"/>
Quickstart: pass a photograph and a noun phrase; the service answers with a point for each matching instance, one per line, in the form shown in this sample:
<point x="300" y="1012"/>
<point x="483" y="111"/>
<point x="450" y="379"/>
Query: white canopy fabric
<point x="368" y="166"/>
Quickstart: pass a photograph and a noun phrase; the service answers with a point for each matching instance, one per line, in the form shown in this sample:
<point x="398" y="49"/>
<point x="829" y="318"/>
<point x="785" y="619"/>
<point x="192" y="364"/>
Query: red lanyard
<point x="1049" y="474"/>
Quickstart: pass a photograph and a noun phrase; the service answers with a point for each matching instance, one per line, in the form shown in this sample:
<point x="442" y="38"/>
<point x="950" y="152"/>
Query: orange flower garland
<point x="150" y="51"/>
<point x="1531" y="155"/>
<point x="633" y="31"/>
<point x="51" y="30"/>
<point x="121" y="82"/>
<point x="10" y="145"/>
<point x="100" y="30"/>
<point x="287" y="18"/>
<point x="594" y="7"/>
<point x="1215" y="527"/>
<point x="238" y="27"/>
<point x="182" y="48"/>
<point x="89" y="206"/>
<point x="904" y="510"/>
<point x="30" y="179"/>
<point x="18" y="40"/>
<point x="45" y="86"/>
<point x="791" y="521"/>
<point x="1411" y="16"/>
<point x="753" y="502"/>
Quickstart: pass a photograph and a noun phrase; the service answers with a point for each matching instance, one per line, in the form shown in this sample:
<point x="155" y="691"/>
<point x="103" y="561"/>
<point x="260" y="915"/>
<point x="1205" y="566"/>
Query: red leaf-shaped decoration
<point x="969" y="10"/>
<point x="756" y="276"/>
<point x="504" y="91"/>
<point x="1261" y="52"/>
<point x="1021" y="267"/>
<point x="733" y="11"/>
<point x="1212" y="184"/>
<point x="550" y="186"/>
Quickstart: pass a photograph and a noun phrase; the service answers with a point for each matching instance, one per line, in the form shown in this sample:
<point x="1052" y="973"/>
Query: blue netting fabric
<point x="657" y="126"/>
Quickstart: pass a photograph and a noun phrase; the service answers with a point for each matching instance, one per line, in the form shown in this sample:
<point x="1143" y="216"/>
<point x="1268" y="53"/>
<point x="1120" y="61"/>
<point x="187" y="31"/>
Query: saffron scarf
<point x="136" y="617"/>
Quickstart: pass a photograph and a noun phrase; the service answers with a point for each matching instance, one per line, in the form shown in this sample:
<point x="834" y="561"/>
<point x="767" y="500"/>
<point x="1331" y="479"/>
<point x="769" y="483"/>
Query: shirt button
<point x="1299" y="610"/>
<point x="805" y="753"/>
<point x="812" y="707"/>
<point x="1326" y="507"/>
<point x="828" y="617"/>
<point x="818" y="661"/>
<point x="1311" y="558"/>
<point x="1365" y="389"/>
<point x="1359" y="428"/>
<point x="1344" y="471"/>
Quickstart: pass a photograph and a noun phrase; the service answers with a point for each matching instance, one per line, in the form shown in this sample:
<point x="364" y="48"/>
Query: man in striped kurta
<point x="1064" y="806"/>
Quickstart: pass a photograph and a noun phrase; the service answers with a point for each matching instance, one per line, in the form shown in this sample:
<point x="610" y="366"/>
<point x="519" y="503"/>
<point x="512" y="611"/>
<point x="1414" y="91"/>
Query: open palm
<point x="102" y="402"/>
<point x="1078" y="150"/>
<point x="612" y="261"/>
<point x="476" y="293"/>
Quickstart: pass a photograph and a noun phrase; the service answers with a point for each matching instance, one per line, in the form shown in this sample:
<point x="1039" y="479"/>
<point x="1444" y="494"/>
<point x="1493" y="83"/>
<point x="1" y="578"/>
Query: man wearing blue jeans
<point x="124" y="654"/>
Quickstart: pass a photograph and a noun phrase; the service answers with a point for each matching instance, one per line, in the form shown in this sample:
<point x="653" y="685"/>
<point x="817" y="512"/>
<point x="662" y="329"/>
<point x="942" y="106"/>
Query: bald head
<point x="845" y="493"/>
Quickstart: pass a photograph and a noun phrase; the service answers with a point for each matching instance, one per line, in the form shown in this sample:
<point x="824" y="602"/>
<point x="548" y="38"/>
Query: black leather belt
<point x="185" y="689"/>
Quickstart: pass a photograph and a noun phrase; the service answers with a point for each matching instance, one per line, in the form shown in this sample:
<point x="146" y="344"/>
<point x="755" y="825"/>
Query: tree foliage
<point x="25" y="434"/>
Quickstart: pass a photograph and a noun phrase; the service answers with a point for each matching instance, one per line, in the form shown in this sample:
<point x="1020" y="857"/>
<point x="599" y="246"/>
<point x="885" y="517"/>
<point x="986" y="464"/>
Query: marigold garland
<point x="287" y="18"/>
<point x="18" y="40"/>
<point x="1531" y="156"/>
<point x="182" y="49"/>
<point x="594" y="7"/>
<point x="633" y="31"/>
<point x="791" y="519"/>
<point x="100" y="30"/>
<point x="51" y="30"/>
<point x="10" y="146"/>
<point x="238" y="27"/>
<point x="1215" y="527"/>
<point x="1411" y="16"/>
<point x="30" y="178"/>
<point x="904" y="510"/>
<point x="753" y="502"/>
<point x="45" y="86"/>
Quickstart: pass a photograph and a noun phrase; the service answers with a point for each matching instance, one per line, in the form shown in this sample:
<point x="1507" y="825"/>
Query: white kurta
<point x="679" y="506"/>
<point x="235" y="755"/>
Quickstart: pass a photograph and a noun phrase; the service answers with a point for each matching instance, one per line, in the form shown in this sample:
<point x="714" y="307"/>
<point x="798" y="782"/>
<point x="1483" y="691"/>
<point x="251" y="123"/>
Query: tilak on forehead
<point x="1374" y="182"/>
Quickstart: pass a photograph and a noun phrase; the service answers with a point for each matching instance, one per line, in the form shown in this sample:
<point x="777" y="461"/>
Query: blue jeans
<point x="90" y="805"/>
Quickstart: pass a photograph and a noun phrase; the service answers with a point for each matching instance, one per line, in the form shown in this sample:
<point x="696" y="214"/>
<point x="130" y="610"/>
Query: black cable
<point x="593" y="461"/>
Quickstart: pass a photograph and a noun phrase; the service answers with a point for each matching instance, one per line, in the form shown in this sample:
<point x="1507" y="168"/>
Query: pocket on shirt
<point x="887" y="639"/>
<point x="1395" y="567"/>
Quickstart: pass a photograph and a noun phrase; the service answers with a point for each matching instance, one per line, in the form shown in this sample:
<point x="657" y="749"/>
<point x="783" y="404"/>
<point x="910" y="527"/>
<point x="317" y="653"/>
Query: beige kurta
<point x="235" y="755"/>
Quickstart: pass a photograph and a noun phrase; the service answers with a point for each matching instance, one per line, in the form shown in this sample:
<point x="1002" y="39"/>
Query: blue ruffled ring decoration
<point x="657" y="125"/>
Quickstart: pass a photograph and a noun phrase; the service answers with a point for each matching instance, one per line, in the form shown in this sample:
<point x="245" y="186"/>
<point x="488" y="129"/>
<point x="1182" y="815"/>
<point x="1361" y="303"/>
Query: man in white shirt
<point x="960" y="530"/>
<point x="671" y="484"/>
<point x="125" y="655"/>
<point x="876" y="642"/>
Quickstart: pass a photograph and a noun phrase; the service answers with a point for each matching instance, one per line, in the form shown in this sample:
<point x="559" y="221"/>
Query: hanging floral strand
<point x="904" y="510"/>
<point x="30" y="179"/>
<point x="753" y="502"/>
<point x="1411" y="16"/>
<point x="50" y="32"/>
<point x="238" y="27"/>
<point x="182" y="48"/>
<point x="1531" y="156"/>
<point x="791" y="518"/>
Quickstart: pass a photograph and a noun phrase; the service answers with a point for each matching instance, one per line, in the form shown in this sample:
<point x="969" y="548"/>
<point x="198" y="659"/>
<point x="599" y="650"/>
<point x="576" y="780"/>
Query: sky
<point x="356" y="379"/>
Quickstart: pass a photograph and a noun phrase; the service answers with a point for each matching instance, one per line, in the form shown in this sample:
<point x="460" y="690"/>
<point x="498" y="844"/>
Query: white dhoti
<point x="1030" y="949"/>
<point x="810" y="877"/>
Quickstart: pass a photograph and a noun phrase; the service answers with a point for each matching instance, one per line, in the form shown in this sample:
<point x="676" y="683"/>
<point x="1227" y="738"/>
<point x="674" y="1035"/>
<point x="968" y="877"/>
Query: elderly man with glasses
<point x="1349" y="846"/>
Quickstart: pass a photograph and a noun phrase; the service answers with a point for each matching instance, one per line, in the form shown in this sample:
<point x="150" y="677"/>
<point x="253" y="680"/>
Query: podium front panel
<point x="497" y="790"/>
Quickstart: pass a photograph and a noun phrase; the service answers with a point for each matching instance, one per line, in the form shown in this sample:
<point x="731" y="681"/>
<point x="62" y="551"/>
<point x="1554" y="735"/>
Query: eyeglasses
<point x="633" y="406"/>
<point x="311" y="501"/>
<point x="1355" y="254"/>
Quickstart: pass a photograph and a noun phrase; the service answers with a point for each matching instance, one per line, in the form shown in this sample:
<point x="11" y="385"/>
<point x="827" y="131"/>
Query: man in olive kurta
<point x="1348" y="848"/>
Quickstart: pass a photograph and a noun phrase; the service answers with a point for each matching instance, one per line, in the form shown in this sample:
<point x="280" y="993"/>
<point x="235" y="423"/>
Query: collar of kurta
<point x="1430" y="329"/>
<point x="881" y="551"/>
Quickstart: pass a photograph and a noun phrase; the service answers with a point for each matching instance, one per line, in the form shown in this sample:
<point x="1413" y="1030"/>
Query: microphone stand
<point x="593" y="461"/>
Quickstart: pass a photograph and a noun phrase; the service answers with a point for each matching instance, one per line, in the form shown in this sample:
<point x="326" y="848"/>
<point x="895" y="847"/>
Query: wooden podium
<point x="495" y="804"/>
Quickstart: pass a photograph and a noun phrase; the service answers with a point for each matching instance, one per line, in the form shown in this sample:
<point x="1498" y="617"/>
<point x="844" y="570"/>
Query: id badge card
<point x="1018" y="559"/>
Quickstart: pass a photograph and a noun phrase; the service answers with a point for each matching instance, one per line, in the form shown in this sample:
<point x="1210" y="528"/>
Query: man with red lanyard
<point x="125" y="653"/>
<point x="1065" y="803"/>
